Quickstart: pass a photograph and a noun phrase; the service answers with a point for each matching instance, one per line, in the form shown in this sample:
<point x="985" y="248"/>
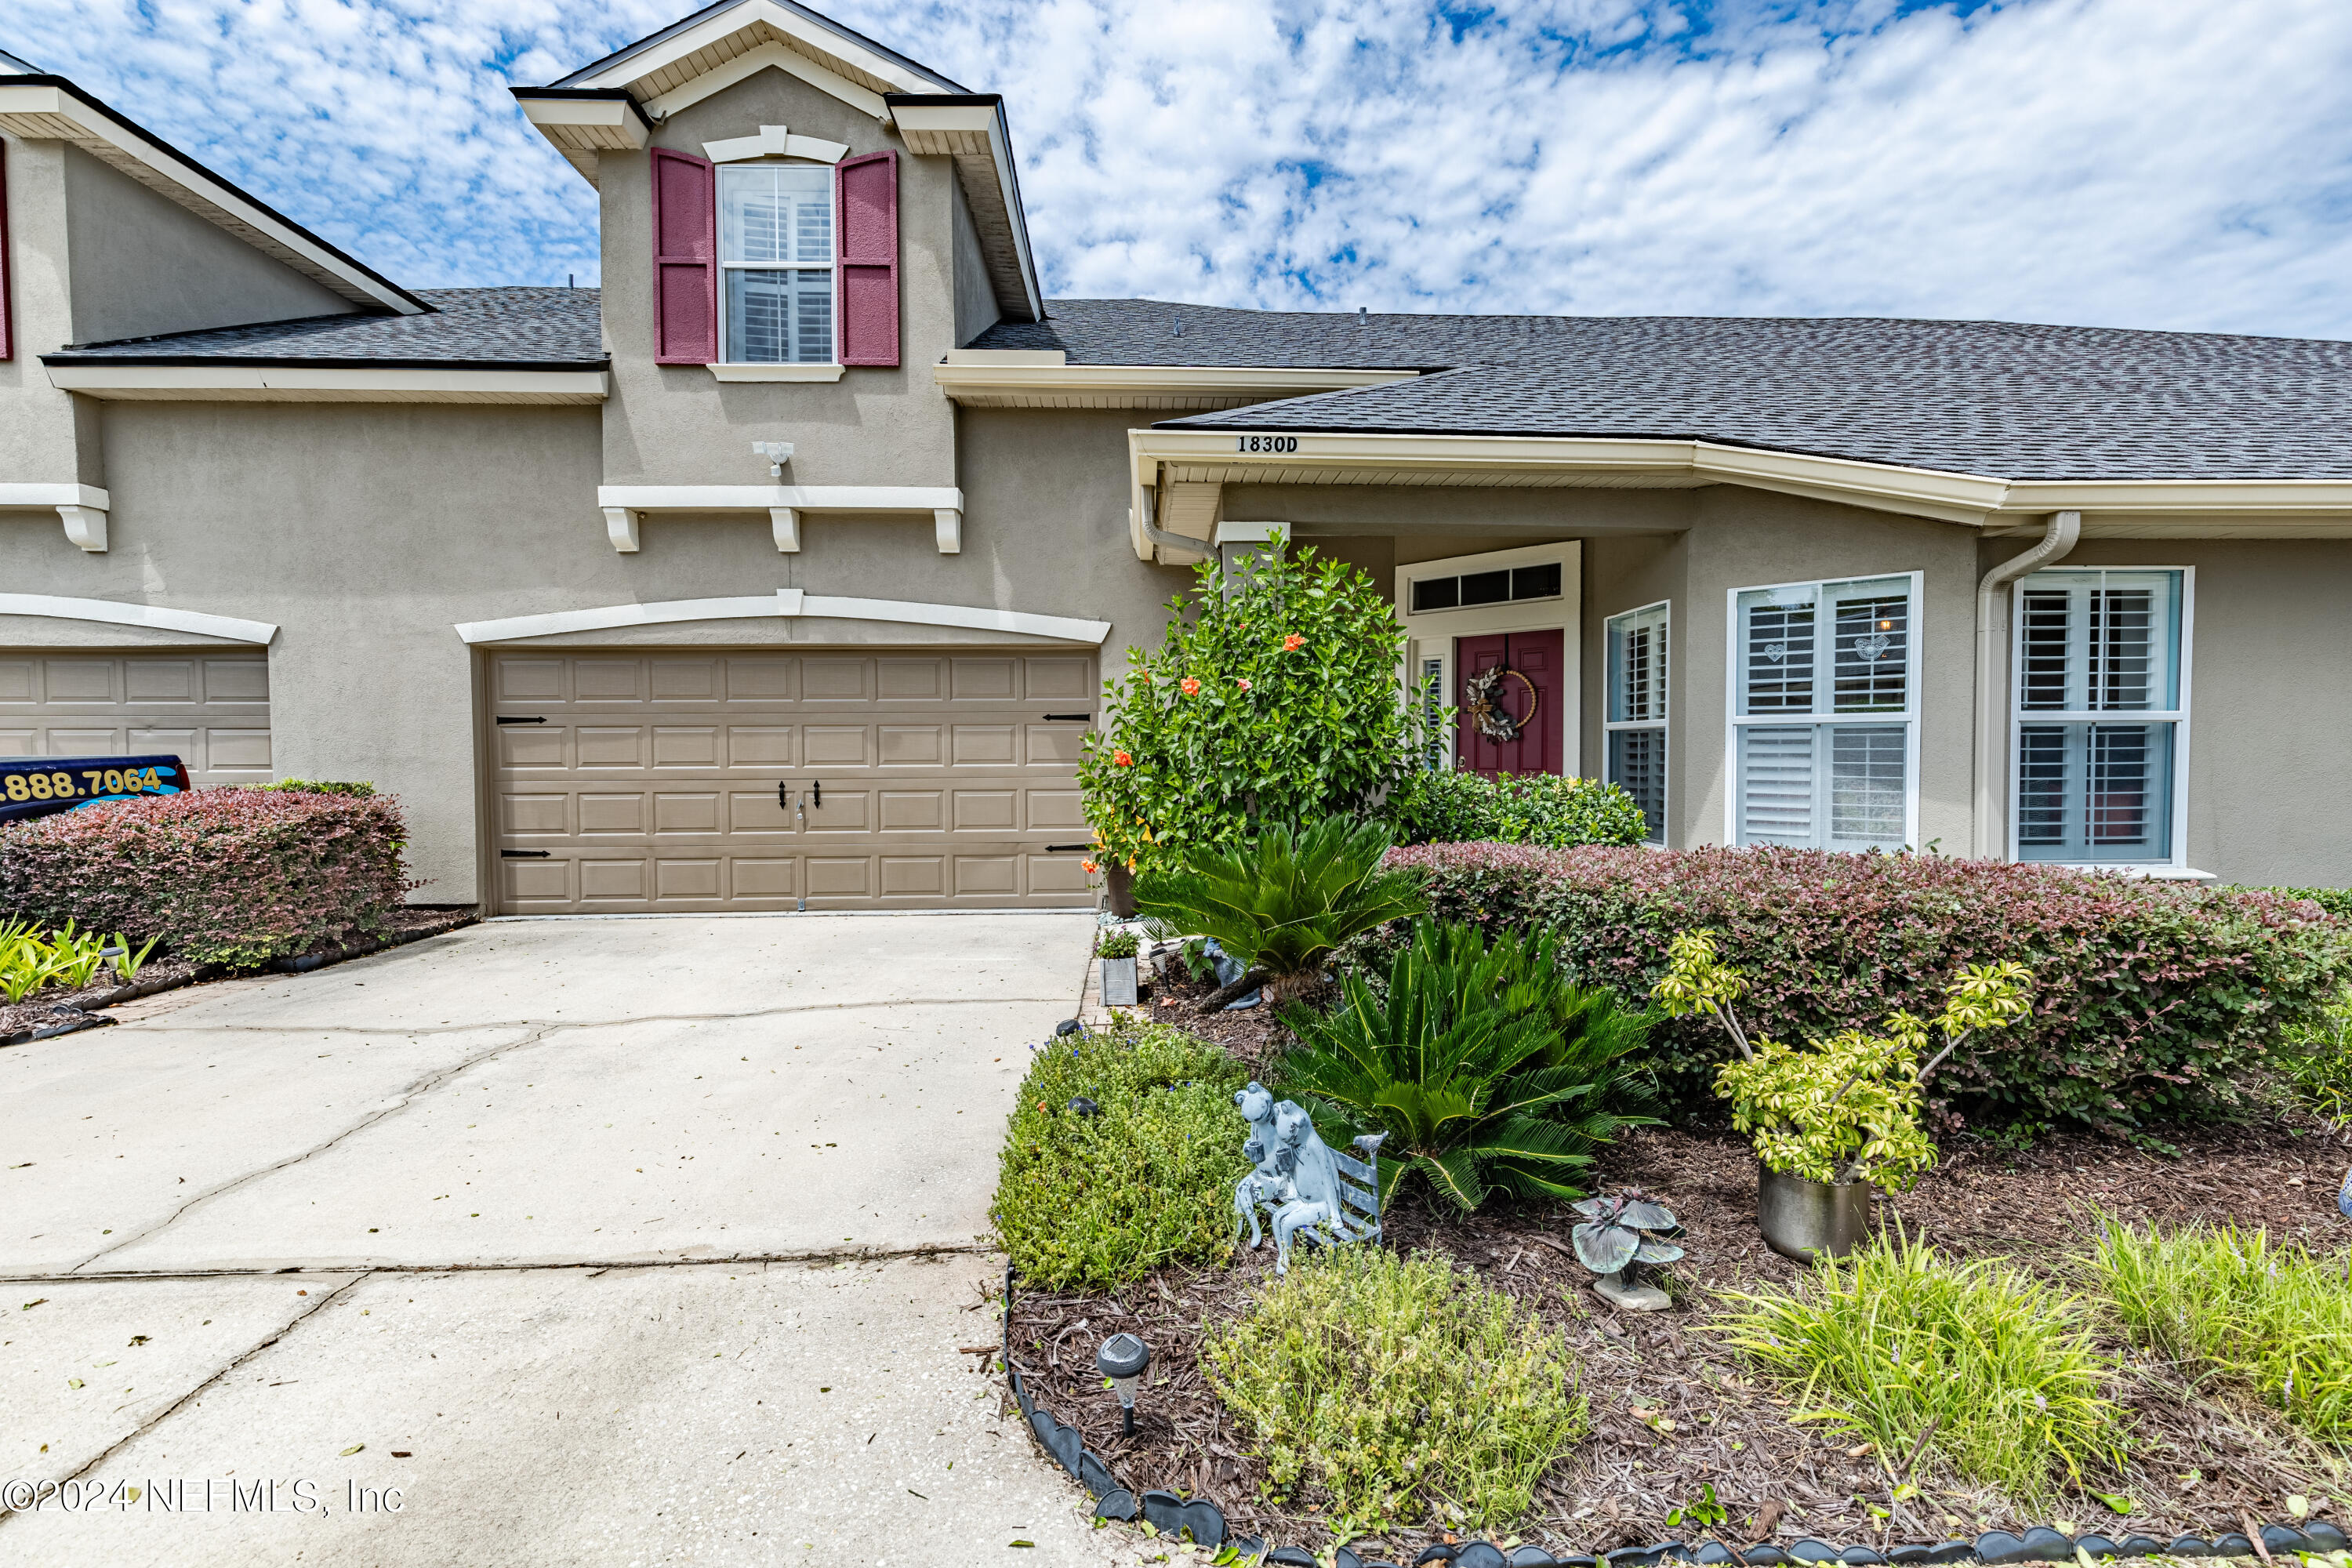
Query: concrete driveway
<point x="590" y="1241"/>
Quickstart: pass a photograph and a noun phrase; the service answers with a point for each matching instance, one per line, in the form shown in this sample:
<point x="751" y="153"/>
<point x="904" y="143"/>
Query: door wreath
<point x="1488" y="717"/>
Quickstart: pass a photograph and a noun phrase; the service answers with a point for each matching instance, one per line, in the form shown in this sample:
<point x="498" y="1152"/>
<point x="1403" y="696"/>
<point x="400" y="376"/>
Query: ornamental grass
<point x="2225" y="1305"/>
<point x="1993" y="1369"/>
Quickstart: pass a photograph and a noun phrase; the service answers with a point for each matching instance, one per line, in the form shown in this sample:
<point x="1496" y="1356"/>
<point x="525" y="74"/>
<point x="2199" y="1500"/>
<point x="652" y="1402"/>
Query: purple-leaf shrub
<point x="234" y="876"/>
<point x="2150" y="999"/>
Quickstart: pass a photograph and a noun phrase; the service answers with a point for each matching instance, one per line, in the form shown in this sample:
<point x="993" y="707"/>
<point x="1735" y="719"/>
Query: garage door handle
<point x="539" y="719"/>
<point x="1069" y="717"/>
<point x="1066" y="848"/>
<point x="524" y="853"/>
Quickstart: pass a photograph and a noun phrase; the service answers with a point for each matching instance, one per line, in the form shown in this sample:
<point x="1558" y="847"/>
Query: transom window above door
<point x="775" y="257"/>
<point x="1825" y="679"/>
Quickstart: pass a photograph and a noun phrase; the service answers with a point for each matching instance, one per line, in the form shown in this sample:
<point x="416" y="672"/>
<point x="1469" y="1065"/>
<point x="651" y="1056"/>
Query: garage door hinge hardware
<point x="539" y="719"/>
<point x="524" y="853"/>
<point x="1066" y="848"/>
<point x="1069" y="717"/>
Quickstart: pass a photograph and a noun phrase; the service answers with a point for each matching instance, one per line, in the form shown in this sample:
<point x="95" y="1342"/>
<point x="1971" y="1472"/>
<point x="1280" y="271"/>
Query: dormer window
<point x="775" y="258"/>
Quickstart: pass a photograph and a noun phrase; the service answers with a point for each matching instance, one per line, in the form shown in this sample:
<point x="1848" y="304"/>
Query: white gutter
<point x="1993" y="669"/>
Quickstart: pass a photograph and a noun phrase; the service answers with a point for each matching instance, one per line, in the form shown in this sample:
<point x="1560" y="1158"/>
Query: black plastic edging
<point x="1172" y="1515"/>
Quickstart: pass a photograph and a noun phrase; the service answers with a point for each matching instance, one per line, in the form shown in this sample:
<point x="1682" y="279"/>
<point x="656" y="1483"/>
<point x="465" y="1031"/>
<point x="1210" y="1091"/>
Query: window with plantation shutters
<point x="1636" y="722"/>
<point x="775" y="257"/>
<point x="1824" y="742"/>
<point x="2099" y="712"/>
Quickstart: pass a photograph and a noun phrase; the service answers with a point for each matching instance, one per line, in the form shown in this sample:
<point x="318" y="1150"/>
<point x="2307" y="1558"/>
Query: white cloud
<point x="2145" y="162"/>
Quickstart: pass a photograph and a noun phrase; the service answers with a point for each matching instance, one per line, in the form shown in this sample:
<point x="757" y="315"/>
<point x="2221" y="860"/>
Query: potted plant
<point x="1117" y="949"/>
<point x="1831" y="1121"/>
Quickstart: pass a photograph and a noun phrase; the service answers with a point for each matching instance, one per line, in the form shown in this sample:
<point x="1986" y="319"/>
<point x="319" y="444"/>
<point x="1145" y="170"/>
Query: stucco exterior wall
<point x="143" y="265"/>
<point x="677" y="424"/>
<point x="975" y="297"/>
<point x="43" y="437"/>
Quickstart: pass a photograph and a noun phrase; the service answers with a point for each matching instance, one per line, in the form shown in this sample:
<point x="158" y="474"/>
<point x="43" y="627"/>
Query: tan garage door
<point x="209" y="709"/>
<point x="758" y="779"/>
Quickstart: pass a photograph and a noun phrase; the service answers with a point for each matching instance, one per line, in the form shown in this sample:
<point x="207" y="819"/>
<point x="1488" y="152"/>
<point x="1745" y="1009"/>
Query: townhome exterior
<point x="785" y="568"/>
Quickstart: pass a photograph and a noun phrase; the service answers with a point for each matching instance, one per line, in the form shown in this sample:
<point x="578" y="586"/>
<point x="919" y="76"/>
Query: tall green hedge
<point x="1550" y="810"/>
<point x="2151" y="1000"/>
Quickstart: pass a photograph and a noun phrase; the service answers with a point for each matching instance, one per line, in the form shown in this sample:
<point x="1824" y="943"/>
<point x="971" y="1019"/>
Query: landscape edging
<point x="1170" y="1514"/>
<point x="84" y="1016"/>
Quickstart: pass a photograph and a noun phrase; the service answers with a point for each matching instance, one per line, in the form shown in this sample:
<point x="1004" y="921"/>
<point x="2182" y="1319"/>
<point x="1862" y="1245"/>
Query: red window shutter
<point x="865" y="192"/>
<point x="685" y="259"/>
<point x="7" y="332"/>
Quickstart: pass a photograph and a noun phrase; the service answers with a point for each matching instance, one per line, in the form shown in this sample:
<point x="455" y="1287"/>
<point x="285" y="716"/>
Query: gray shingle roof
<point x="2012" y="401"/>
<point x="1152" y="331"/>
<point x="480" y="329"/>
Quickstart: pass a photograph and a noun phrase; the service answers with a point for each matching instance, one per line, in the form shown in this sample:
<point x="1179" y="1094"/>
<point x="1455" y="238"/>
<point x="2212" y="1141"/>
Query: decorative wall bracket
<point x="82" y="509"/>
<point x="624" y="507"/>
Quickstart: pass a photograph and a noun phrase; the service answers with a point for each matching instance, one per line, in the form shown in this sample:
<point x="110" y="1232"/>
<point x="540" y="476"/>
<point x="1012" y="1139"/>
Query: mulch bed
<point x="1673" y="1411"/>
<point x="54" y="1004"/>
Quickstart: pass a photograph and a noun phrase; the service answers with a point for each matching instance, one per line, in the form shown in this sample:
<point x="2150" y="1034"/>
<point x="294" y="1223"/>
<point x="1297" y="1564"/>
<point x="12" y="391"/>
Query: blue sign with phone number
<point x="41" y="786"/>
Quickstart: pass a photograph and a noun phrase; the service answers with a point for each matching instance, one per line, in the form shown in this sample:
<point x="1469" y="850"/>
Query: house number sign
<point x="1265" y="443"/>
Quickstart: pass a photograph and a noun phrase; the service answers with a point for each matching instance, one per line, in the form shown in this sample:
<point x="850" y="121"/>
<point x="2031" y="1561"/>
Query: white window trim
<point x="2177" y="863"/>
<point x="1734" y="720"/>
<point x="1661" y="723"/>
<point x="1431" y="635"/>
<point x="727" y="369"/>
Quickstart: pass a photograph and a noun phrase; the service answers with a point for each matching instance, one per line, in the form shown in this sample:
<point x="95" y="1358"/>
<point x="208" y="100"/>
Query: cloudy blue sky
<point x="2183" y="163"/>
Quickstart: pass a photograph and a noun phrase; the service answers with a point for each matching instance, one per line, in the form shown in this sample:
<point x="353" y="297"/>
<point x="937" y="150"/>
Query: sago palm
<point x="1283" y="906"/>
<point x="1484" y="1065"/>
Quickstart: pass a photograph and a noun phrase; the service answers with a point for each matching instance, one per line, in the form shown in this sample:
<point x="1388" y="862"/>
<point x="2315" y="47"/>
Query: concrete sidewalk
<point x="628" y="1241"/>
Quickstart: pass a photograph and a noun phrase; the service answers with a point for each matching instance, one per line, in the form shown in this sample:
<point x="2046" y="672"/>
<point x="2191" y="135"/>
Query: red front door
<point x="1529" y="695"/>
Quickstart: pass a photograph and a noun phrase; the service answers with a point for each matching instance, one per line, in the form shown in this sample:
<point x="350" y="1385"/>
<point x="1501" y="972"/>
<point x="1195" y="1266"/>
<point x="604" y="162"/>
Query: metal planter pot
<point x="1119" y="890"/>
<point x="1805" y="1220"/>
<point x="1119" y="982"/>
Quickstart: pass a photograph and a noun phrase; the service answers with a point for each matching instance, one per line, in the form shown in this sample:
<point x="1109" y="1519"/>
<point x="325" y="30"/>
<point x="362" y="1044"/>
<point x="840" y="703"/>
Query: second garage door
<point x="760" y="780"/>
<point x="211" y="710"/>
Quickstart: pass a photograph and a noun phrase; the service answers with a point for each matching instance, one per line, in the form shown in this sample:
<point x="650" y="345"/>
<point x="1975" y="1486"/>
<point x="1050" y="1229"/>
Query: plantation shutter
<point x="1776" y="785"/>
<point x="867" y="192"/>
<point x="2092" y="644"/>
<point x="1635" y="717"/>
<point x="685" y="253"/>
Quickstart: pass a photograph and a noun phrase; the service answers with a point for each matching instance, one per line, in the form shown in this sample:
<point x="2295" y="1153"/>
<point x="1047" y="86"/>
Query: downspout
<point x="1992" y="685"/>
<point x="1162" y="538"/>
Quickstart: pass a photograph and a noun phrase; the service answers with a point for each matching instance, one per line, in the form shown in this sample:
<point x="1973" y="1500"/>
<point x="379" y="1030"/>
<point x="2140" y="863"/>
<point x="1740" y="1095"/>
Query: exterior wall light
<point x="1123" y="1358"/>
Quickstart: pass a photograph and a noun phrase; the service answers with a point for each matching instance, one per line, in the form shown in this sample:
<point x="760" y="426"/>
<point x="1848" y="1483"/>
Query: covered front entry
<point x="763" y="779"/>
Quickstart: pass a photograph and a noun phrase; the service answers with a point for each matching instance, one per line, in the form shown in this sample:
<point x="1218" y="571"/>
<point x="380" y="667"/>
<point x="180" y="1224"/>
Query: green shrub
<point x="1404" y="1388"/>
<point x="2315" y="1052"/>
<point x="1117" y="945"/>
<point x="2336" y="901"/>
<point x="1895" y="1336"/>
<point x="1090" y="1202"/>
<point x="236" y="877"/>
<point x="2150" y="999"/>
<point x="1484" y="1065"/>
<point x="2275" y="1323"/>
<point x="319" y="786"/>
<point x="1552" y="811"/>
<point x="1272" y="699"/>
<point x="1283" y="906"/>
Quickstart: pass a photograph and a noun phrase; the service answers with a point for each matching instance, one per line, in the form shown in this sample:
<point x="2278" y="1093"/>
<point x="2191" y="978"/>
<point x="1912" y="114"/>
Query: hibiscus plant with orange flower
<point x="1273" y="699"/>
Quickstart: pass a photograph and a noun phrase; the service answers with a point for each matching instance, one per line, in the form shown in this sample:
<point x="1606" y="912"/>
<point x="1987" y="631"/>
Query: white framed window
<point x="775" y="263"/>
<point x="2099" y="720"/>
<point x="1824" y="732"/>
<point x="1634" y="727"/>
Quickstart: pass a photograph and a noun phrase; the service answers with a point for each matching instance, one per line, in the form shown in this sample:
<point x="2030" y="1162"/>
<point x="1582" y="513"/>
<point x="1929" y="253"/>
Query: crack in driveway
<point x="811" y="1256"/>
<point x="226" y="1367"/>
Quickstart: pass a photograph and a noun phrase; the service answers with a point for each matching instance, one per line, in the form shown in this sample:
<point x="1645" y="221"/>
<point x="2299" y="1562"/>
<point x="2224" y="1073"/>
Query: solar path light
<point x="1123" y="1358"/>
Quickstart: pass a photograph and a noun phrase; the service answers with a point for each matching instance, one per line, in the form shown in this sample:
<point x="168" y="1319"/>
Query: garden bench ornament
<point x="1298" y="1179"/>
